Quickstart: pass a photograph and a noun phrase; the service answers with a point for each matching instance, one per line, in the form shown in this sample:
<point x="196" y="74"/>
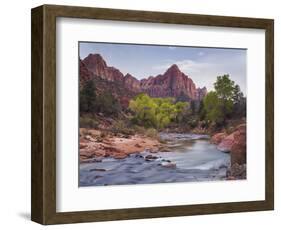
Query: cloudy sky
<point x="203" y="65"/>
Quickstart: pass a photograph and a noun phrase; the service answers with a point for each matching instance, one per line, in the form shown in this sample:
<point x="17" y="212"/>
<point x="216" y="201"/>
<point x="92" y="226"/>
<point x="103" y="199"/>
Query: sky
<point x="201" y="64"/>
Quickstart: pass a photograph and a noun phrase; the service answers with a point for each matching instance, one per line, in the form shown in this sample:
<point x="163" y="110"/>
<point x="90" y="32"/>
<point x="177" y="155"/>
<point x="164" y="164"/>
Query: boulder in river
<point x="150" y="158"/>
<point x="168" y="165"/>
<point x="98" y="170"/>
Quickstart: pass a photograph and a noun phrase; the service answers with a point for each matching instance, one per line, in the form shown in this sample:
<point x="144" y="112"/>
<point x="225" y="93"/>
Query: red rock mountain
<point x="173" y="83"/>
<point x="132" y="83"/>
<point x="84" y="72"/>
<point x="98" y="66"/>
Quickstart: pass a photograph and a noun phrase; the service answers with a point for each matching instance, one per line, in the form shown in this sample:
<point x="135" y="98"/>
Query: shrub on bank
<point x="87" y="122"/>
<point x="121" y="127"/>
<point x="151" y="132"/>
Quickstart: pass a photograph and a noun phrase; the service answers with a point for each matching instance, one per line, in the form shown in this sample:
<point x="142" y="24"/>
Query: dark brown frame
<point x="43" y="199"/>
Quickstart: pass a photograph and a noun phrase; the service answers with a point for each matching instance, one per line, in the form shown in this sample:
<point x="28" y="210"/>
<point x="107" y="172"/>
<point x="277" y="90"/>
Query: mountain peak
<point x="94" y="58"/>
<point x="128" y="75"/>
<point x="173" y="83"/>
<point x="96" y="64"/>
<point x="97" y="55"/>
<point x="174" y="67"/>
<point x="173" y="70"/>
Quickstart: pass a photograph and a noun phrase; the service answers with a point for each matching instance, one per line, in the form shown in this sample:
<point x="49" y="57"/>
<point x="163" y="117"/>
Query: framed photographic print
<point x="141" y="114"/>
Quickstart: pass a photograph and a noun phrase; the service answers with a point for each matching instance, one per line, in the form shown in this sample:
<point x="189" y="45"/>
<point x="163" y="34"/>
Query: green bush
<point x="193" y="123"/>
<point x="139" y="129"/>
<point x="151" y="133"/>
<point x="108" y="104"/>
<point x="121" y="127"/>
<point x="87" y="122"/>
<point x="156" y="112"/>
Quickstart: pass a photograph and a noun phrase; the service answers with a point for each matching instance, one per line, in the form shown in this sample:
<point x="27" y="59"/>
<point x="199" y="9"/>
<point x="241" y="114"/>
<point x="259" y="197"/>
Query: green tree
<point x="237" y="94"/>
<point x="193" y="107"/>
<point x="155" y="112"/>
<point x="225" y="88"/>
<point x="88" y="97"/>
<point x="239" y="103"/>
<point x="227" y="101"/>
<point x="212" y="106"/>
<point x="108" y="104"/>
<point x="144" y="108"/>
<point x="202" y="111"/>
<point x="181" y="109"/>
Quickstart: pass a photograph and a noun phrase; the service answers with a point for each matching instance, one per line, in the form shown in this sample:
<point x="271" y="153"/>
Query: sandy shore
<point x="93" y="144"/>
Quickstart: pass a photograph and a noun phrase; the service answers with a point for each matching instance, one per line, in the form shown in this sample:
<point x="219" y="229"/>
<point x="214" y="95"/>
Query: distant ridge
<point x="173" y="83"/>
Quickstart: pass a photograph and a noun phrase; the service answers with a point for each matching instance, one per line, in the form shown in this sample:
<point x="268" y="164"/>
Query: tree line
<point x="91" y="102"/>
<point x="225" y="102"/>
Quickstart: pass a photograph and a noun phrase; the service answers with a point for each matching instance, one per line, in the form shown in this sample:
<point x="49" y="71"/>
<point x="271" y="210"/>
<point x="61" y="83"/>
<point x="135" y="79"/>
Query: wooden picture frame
<point x="43" y="208"/>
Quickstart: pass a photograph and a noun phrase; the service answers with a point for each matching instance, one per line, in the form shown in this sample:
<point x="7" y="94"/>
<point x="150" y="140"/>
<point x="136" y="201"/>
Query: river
<point x="191" y="158"/>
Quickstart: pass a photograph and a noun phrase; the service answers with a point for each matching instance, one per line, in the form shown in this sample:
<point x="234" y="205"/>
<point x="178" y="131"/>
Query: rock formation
<point x="234" y="143"/>
<point x="173" y="83"/>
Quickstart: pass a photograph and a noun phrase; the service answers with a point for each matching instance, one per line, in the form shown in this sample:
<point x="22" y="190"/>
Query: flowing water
<point x="191" y="158"/>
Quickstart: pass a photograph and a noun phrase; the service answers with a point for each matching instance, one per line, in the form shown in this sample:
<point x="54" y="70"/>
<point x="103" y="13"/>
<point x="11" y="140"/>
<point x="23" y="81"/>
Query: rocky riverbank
<point x="235" y="144"/>
<point x="96" y="144"/>
<point x="187" y="157"/>
<point x="170" y="150"/>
